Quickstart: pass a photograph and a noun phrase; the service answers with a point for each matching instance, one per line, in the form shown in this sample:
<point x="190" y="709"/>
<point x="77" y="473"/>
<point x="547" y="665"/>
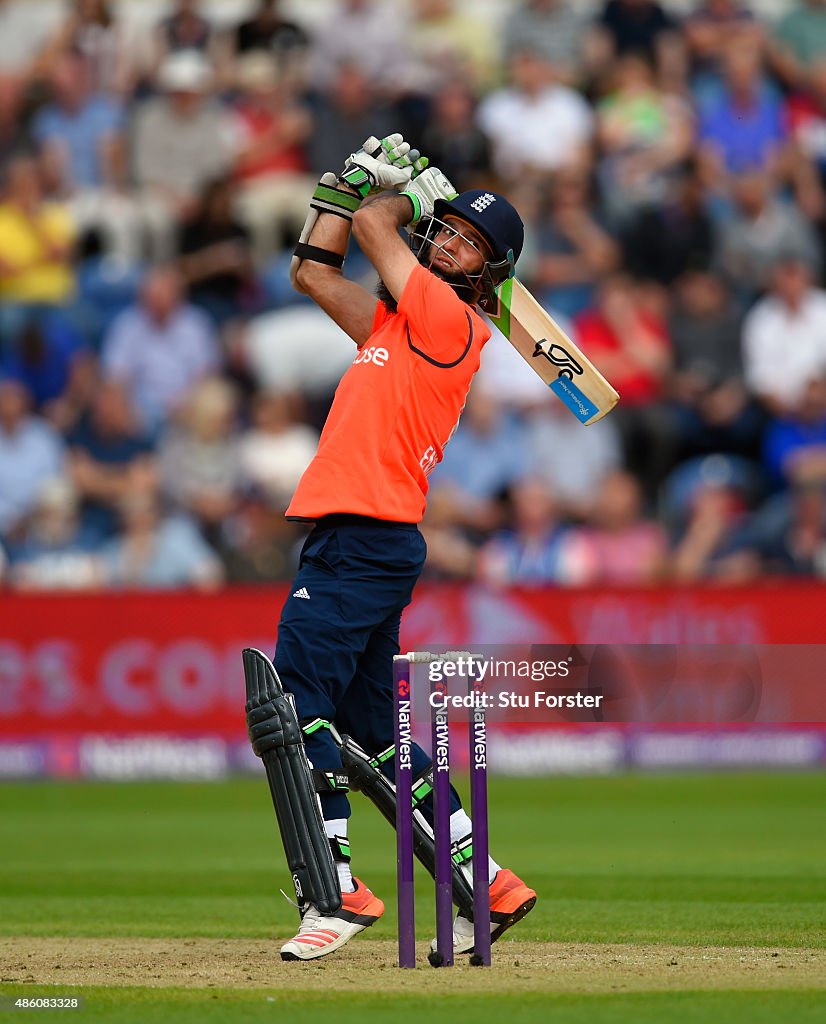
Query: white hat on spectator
<point x="185" y="71"/>
<point x="256" y="71"/>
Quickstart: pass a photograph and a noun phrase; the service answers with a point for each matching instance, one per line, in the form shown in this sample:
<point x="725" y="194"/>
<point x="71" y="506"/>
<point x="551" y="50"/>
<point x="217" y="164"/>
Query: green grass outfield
<point x="628" y="862"/>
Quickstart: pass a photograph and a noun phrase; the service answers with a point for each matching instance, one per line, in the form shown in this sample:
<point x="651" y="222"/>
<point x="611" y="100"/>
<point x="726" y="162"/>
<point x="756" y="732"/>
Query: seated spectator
<point x="644" y="136"/>
<point x="628" y="26"/>
<point x="347" y="112"/>
<point x="56" y="552"/>
<point x="184" y="28"/>
<point x="552" y="27"/>
<point x="158" y="552"/>
<point x="109" y="457"/>
<point x="367" y="35"/>
<point x="784" y="337"/>
<point x="276" y="449"/>
<point x="799" y="40"/>
<point x="257" y="544"/>
<point x="535" y="124"/>
<point x="741" y="124"/>
<point x="92" y="30"/>
<point x="448" y="42"/>
<point x="270" y="169"/>
<point x="664" y="241"/>
<point x="267" y="30"/>
<point x="630" y="345"/>
<point x="575" y="465"/>
<point x="453" y="141"/>
<point x="31" y="452"/>
<point x="708" y="501"/>
<point x="81" y="138"/>
<point x="806" y="115"/>
<point x="160" y="347"/>
<point x="486" y="456"/>
<point x="788" y="535"/>
<point x="709" y="29"/>
<point x="216" y="257"/>
<point x="574" y="246"/>
<point x="761" y="228"/>
<point x="47" y="349"/>
<point x="538" y="550"/>
<point x="713" y="406"/>
<point x="794" y="446"/>
<point x="618" y="547"/>
<point x="36" y="238"/>
<point x="199" y="455"/>
<point x="180" y="142"/>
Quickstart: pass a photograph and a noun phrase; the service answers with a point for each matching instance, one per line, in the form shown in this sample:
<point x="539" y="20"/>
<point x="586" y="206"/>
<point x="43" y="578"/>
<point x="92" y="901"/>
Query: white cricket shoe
<point x="320" y="934"/>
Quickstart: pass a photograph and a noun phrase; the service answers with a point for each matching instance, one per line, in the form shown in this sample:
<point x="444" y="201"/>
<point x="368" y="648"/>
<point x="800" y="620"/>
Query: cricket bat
<point x="547" y="348"/>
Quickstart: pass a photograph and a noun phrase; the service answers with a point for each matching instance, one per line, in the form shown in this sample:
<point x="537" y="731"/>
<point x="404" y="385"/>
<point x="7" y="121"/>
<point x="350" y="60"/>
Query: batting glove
<point x="424" y="189"/>
<point x="382" y="164"/>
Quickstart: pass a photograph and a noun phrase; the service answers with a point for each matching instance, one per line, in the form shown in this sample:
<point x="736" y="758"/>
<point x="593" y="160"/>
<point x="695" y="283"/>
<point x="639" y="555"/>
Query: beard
<point x="456" y="279"/>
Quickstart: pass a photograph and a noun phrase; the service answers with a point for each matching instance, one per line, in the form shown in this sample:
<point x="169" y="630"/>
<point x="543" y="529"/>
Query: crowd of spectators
<point x="162" y="386"/>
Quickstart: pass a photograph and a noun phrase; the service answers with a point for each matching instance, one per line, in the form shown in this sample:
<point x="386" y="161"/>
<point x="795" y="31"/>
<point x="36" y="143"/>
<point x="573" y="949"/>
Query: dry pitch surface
<point x="201" y="963"/>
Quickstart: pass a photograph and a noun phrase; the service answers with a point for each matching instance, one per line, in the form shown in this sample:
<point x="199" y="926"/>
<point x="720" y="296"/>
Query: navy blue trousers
<point x="336" y="640"/>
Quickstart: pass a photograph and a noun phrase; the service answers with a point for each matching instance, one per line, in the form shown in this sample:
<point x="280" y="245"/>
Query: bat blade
<point x="544" y="346"/>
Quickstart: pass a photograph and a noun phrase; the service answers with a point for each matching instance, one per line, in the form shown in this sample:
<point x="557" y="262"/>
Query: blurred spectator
<point x="160" y="347"/>
<point x="257" y="543"/>
<point x="36" y="238"/>
<point x="109" y="457"/>
<point x="625" y="26"/>
<point x="800" y="40"/>
<point x="644" y="136"/>
<point x="267" y="30"/>
<point x="788" y="535"/>
<point x="24" y="28"/>
<point x="762" y="228"/>
<point x="784" y="337"/>
<point x="216" y="256"/>
<point x="538" y="550"/>
<point x="349" y="111"/>
<point x="486" y="456"/>
<point x="449" y="43"/>
<point x="92" y="31"/>
<point x="535" y="124"/>
<point x="709" y="499"/>
<point x="713" y="406"/>
<point x="619" y="547"/>
<point x="81" y="139"/>
<point x="277" y="448"/>
<point x="452" y="139"/>
<point x="794" y="449"/>
<point x="43" y="358"/>
<point x="665" y="240"/>
<point x="31" y="452"/>
<point x="555" y="29"/>
<point x="184" y="28"/>
<point x="271" y="167"/>
<point x="180" y="142"/>
<point x="56" y="552"/>
<point x="571" y="461"/>
<point x="574" y="246"/>
<point x="15" y="136"/>
<point x="710" y="28"/>
<point x="630" y="345"/>
<point x="741" y="123"/>
<point x="806" y="111"/>
<point x="158" y="552"/>
<point x="199" y="455"/>
<point x="368" y="35"/>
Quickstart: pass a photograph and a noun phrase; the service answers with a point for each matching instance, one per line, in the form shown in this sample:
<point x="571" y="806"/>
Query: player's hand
<point x="382" y="164"/>
<point x="424" y="189"/>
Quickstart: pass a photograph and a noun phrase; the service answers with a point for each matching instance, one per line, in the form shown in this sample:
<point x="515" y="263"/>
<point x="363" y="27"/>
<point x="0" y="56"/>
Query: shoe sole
<point x="521" y="911"/>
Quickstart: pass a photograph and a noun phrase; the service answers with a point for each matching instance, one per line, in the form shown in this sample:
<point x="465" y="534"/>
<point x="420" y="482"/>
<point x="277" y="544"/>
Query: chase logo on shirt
<point x="379" y="356"/>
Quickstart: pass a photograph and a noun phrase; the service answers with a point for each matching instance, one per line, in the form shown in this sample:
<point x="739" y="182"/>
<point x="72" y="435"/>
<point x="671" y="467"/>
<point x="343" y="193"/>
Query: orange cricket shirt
<point x="396" y="407"/>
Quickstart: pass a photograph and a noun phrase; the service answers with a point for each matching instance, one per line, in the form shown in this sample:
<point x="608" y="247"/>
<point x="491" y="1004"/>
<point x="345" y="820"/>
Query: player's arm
<point x="319" y="256"/>
<point x="376" y="226"/>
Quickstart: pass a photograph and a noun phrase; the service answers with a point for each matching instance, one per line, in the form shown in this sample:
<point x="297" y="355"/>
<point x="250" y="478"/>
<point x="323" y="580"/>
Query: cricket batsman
<point x="322" y="717"/>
